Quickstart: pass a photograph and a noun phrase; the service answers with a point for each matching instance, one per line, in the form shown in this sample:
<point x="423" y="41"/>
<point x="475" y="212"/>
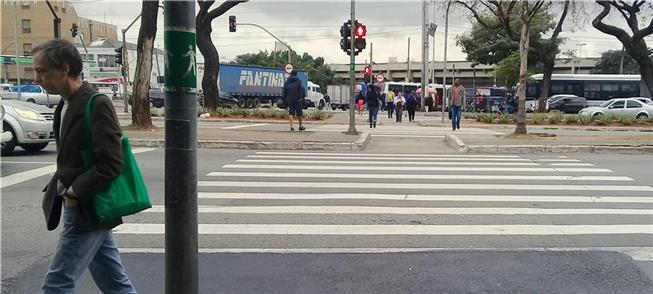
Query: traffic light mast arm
<point x="271" y="34"/>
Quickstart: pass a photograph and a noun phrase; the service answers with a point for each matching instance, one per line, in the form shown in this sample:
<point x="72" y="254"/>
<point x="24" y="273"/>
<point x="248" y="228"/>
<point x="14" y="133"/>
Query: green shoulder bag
<point x="126" y="194"/>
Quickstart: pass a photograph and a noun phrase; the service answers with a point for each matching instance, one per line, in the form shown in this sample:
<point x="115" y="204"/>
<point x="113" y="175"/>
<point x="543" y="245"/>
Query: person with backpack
<point x="411" y="106"/>
<point x="390" y="99"/>
<point x="293" y="94"/>
<point x="372" y="99"/>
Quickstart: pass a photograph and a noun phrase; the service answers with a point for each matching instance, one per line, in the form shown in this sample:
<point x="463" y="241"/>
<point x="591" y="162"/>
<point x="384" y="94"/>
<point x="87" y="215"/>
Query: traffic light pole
<point x="352" y="75"/>
<point x="181" y="243"/>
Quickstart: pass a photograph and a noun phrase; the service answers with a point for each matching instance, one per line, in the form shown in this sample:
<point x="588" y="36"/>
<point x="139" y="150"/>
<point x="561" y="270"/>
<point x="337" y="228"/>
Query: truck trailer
<point x="255" y="85"/>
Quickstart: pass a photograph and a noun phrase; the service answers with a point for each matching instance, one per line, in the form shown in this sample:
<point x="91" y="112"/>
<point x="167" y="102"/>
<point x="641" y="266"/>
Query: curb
<point x="359" y="145"/>
<point x="455" y="142"/>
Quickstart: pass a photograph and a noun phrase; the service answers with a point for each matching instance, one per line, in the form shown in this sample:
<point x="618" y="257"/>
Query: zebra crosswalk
<point x="330" y="202"/>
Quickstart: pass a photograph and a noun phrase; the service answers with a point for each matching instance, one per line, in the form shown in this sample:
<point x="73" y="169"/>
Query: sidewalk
<point x="258" y="140"/>
<point x="635" y="143"/>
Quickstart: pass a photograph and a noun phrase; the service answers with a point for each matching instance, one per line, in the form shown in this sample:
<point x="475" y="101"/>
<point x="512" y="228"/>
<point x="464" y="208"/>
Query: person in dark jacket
<point x="84" y="242"/>
<point x="411" y="106"/>
<point x="373" y="102"/>
<point x="293" y="94"/>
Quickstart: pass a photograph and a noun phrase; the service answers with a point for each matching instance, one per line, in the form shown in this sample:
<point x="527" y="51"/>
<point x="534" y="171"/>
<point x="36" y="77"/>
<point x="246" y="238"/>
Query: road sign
<point x="380" y="77"/>
<point x="288" y="68"/>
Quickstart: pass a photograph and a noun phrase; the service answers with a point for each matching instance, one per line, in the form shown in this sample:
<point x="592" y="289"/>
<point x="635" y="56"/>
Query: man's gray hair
<point x="60" y="52"/>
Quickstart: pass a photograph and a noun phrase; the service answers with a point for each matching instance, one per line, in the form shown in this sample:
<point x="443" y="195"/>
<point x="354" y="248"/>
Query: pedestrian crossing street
<point x="388" y="129"/>
<point x="331" y="202"/>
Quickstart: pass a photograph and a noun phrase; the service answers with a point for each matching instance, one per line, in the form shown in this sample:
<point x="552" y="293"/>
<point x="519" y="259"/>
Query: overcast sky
<point x="313" y="27"/>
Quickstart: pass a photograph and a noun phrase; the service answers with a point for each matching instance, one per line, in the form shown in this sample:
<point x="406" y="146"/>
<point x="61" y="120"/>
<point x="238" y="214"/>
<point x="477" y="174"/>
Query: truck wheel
<point x="321" y="106"/>
<point x="241" y="102"/>
<point x="9" y="146"/>
<point x="333" y="107"/>
<point x="34" y="147"/>
<point x="256" y="103"/>
<point x="249" y="102"/>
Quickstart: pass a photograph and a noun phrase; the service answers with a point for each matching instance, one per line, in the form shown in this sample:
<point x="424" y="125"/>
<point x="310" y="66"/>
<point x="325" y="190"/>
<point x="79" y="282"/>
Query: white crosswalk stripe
<point x="316" y="202"/>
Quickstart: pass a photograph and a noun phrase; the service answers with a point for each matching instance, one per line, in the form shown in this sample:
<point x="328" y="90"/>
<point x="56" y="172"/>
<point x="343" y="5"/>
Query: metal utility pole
<point x="181" y="244"/>
<point x="433" y="65"/>
<point x="371" y="64"/>
<point x="125" y="70"/>
<point x="57" y="21"/>
<point x="444" y="67"/>
<point x="352" y="74"/>
<point x="425" y="55"/>
<point x="16" y="53"/>
<point x="408" y="63"/>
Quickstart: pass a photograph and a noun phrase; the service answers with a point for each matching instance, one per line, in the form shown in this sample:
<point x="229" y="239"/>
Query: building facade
<point x="26" y="24"/>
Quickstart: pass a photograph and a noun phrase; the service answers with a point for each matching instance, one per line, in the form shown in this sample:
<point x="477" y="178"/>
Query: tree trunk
<point x="523" y="66"/>
<point x="549" y="63"/>
<point x="549" y="60"/>
<point x="141" y="117"/>
<point x="211" y="61"/>
<point x="639" y="51"/>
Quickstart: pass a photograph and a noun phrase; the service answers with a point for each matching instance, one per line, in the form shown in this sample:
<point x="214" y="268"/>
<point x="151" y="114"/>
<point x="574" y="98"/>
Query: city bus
<point x="596" y="88"/>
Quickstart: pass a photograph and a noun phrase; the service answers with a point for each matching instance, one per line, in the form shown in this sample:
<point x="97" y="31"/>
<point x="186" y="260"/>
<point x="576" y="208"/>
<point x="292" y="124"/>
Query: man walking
<point x="84" y="242"/>
<point x="293" y="93"/>
<point x="457" y="94"/>
<point x="390" y="99"/>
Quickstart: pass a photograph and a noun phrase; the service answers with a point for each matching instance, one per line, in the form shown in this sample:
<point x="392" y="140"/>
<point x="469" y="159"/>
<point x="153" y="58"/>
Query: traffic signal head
<point x="118" y="55"/>
<point x="345" y="30"/>
<point x="360" y="30"/>
<point x="367" y="71"/>
<point x="74" y="30"/>
<point x="232" y="23"/>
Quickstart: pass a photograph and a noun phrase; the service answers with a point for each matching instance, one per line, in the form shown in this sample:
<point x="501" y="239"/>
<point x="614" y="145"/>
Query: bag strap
<point x="87" y="136"/>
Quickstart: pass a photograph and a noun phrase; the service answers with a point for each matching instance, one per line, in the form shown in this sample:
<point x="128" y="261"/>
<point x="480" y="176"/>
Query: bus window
<point x="557" y="88"/>
<point x="533" y="89"/>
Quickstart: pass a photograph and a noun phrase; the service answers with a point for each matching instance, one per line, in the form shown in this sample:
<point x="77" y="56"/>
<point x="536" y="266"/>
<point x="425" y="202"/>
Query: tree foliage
<point x="318" y="71"/>
<point x="610" y="63"/>
<point x="507" y="70"/>
<point x="490" y="44"/>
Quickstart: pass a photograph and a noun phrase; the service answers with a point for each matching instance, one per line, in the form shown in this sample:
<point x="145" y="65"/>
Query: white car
<point x="620" y="106"/>
<point x="29" y="124"/>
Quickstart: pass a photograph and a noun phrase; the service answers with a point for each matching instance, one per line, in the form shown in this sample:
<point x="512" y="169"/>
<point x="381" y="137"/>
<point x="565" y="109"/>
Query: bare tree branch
<point x="224" y="7"/>
<point x="643" y="33"/>
<point x="608" y="29"/>
<point x="475" y="13"/>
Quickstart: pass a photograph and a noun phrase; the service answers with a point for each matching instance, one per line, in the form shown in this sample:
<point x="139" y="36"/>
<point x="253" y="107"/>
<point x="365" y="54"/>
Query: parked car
<point x="33" y="94"/>
<point x="644" y="100"/>
<point x="30" y="126"/>
<point x="157" y="97"/>
<point x="6" y="135"/>
<point x="620" y="106"/>
<point x="227" y="100"/>
<point x="569" y="104"/>
<point x="555" y="98"/>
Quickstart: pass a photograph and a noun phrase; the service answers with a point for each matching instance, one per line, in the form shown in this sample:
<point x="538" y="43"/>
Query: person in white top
<point x="400" y="102"/>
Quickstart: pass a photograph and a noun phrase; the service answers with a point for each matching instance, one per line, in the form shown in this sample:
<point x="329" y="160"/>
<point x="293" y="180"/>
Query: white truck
<point x="33" y="94"/>
<point x="315" y="96"/>
<point x="340" y="95"/>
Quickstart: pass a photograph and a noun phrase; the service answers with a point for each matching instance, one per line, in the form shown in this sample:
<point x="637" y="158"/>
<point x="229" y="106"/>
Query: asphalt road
<point x="411" y="220"/>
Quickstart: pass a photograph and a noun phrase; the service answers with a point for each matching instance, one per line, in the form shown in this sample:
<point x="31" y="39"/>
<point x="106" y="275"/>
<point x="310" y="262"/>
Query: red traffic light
<point x="367" y="70"/>
<point x="360" y="31"/>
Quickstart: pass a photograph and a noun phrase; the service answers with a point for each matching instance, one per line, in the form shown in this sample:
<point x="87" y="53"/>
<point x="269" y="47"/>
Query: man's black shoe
<point x="301" y="128"/>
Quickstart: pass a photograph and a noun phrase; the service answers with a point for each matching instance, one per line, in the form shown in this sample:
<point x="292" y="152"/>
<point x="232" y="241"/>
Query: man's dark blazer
<point x="70" y="168"/>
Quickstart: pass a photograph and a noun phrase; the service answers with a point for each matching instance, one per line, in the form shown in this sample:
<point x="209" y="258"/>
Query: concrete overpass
<point x="398" y="71"/>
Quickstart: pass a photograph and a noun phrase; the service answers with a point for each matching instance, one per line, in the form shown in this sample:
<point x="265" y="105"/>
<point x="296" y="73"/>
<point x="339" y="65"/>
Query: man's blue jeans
<point x="76" y="251"/>
<point x="373" y="111"/>
<point x="456" y="113"/>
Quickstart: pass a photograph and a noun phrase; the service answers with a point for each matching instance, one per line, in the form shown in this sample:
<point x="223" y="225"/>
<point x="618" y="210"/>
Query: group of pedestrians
<point x="396" y="102"/>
